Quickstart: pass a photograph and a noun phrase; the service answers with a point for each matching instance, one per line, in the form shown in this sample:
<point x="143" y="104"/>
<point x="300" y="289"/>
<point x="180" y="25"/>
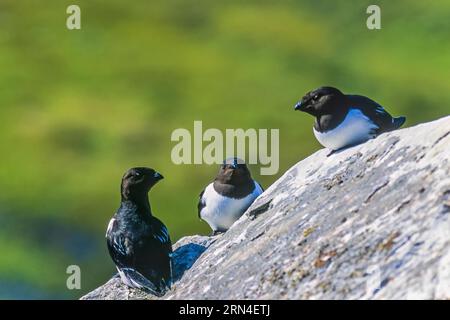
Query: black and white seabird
<point x="138" y="242"/>
<point x="224" y="200"/>
<point x="344" y="120"/>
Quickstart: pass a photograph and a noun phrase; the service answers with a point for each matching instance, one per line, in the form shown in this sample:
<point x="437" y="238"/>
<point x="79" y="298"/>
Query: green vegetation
<point x="78" y="108"/>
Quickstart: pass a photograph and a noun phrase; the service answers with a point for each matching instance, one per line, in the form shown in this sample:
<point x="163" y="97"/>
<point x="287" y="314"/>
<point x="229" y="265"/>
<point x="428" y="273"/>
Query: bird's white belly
<point x="221" y="212"/>
<point x="356" y="128"/>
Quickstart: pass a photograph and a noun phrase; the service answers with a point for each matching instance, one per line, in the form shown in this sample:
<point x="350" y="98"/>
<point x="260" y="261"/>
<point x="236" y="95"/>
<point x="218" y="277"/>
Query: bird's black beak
<point x="298" y="106"/>
<point x="158" y="176"/>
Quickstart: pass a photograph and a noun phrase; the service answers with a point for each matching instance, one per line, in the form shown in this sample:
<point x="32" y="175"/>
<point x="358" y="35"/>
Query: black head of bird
<point x="321" y="101"/>
<point x="137" y="182"/>
<point x="233" y="171"/>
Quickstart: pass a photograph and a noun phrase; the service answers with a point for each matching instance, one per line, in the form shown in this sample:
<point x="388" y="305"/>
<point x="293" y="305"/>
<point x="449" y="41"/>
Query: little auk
<point x="139" y="243"/>
<point x="225" y="199"/>
<point x="344" y="120"/>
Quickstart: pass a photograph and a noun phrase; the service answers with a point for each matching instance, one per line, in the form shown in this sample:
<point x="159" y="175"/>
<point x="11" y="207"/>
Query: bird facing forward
<point x="224" y="200"/>
<point x="344" y="120"/>
<point x="139" y="243"/>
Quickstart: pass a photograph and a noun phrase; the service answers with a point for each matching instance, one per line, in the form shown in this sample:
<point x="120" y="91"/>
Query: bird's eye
<point x="136" y="174"/>
<point x="316" y="97"/>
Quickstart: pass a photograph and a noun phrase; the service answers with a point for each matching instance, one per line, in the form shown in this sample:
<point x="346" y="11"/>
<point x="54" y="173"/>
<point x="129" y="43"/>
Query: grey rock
<point x="368" y="222"/>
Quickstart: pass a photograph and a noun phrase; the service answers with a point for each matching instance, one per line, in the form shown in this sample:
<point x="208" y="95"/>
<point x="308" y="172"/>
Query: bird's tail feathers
<point x="398" y="122"/>
<point x="135" y="279"/>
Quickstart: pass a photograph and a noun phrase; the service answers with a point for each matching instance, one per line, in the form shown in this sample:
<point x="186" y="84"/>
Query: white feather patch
<point x="110" y="225"/>
<point x="221" y="212"/>
<point x="355" y="128"/>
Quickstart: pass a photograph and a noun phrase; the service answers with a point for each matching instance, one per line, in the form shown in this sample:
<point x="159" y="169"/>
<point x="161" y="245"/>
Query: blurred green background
<point x="78" y="108"/>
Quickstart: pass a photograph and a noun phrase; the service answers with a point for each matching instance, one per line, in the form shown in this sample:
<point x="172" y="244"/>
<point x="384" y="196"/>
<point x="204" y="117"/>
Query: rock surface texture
<point x="368" y="222"/>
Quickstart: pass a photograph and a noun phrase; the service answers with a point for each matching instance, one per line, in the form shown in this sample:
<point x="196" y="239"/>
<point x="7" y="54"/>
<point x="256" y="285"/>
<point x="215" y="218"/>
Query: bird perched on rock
<point x="138" y="242"/>
<point x="344" y="120"/>
<point x="224" y="200"/>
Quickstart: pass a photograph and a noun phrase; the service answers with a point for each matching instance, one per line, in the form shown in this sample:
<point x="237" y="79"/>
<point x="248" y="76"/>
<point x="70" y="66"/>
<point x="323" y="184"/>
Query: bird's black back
<point x="141" y="242"/>
<point x="373" y="111"/>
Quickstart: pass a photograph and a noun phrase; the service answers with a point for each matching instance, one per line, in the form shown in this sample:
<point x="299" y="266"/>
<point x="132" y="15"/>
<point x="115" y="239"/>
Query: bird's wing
<point x="120" y="248"/>
<point x="161" y="259"/>
<point x="146" y="263"/>
<point x="161" y="234"/>
<point x="372" y="110"/>
<point x="201" y="203"/>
